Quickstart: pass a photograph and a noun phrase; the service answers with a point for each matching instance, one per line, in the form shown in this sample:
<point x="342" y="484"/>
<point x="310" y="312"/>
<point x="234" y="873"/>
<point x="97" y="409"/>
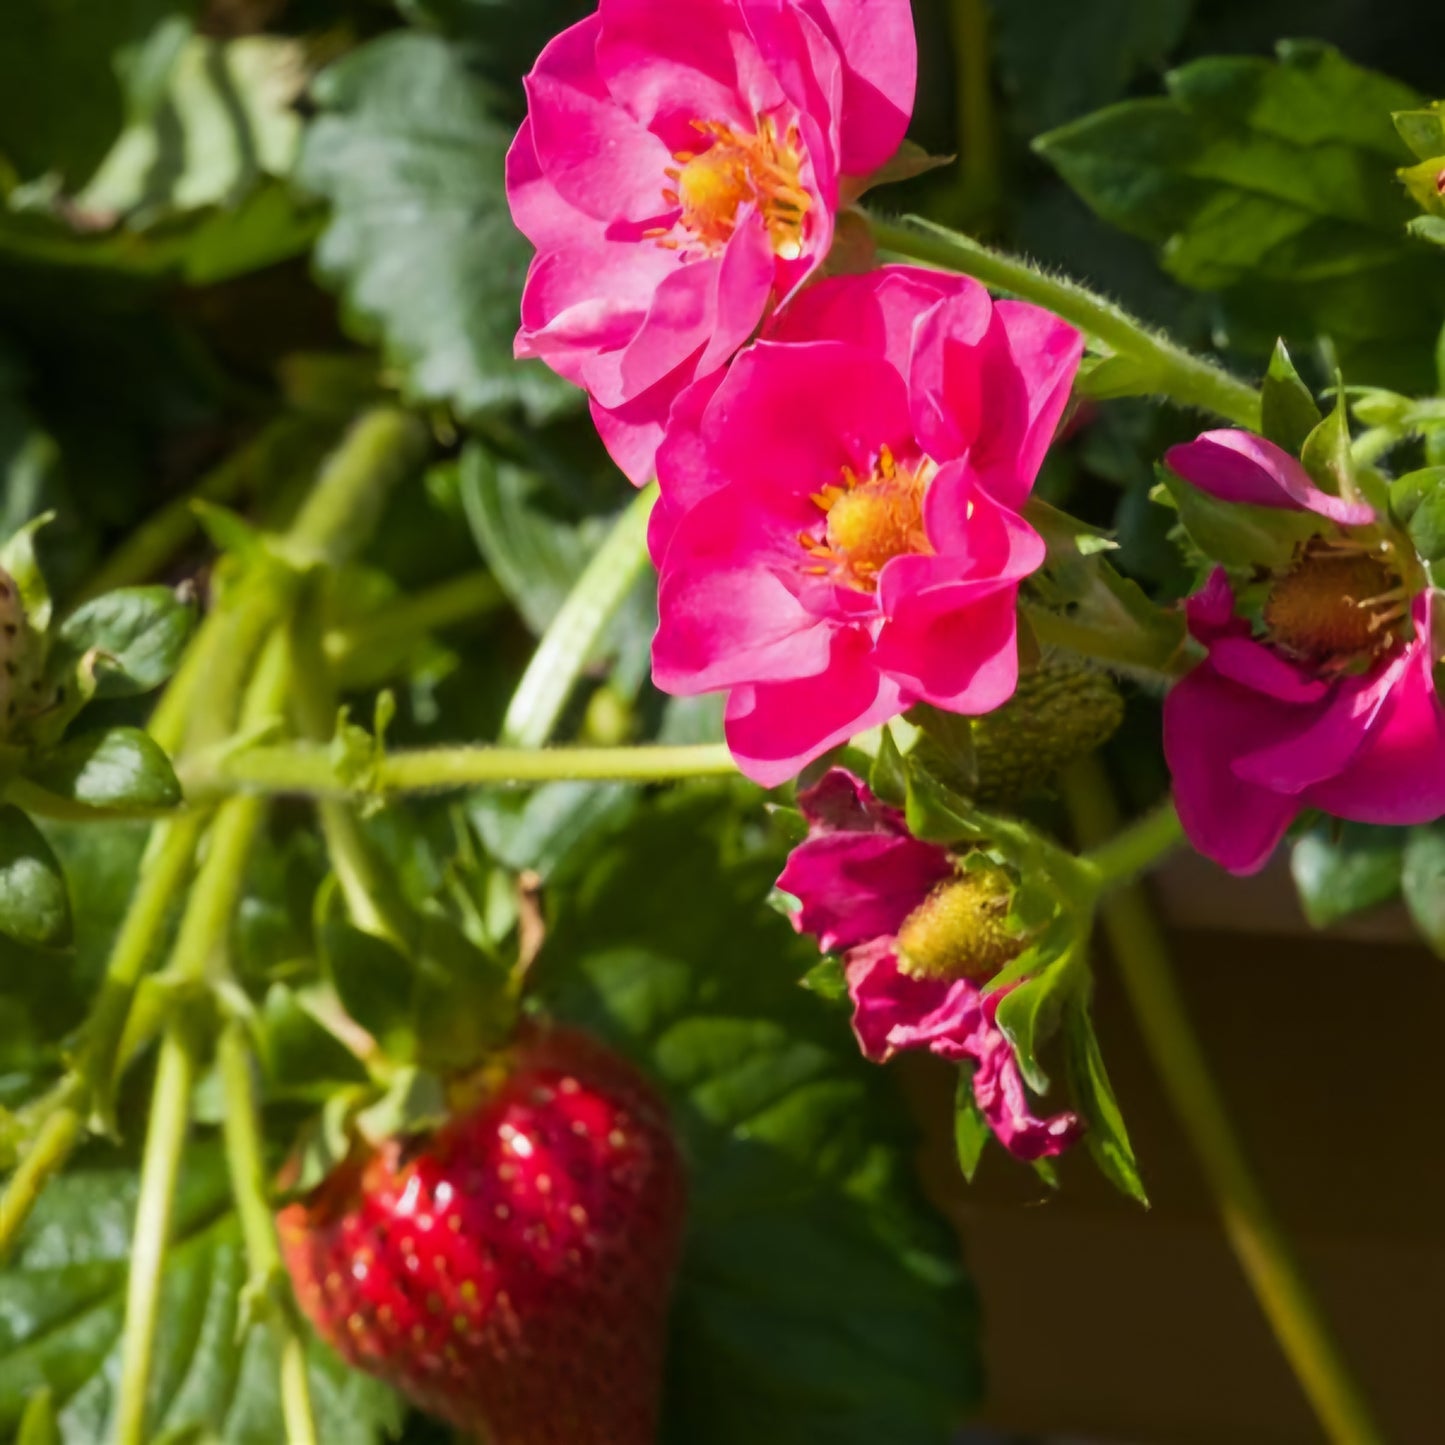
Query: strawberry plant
<point x="577" y="578"/>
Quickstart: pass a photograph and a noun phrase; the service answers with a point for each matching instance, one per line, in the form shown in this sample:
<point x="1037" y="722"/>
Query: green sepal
<point x="1238" y="535"/>
<point x="464" y="1001"/>
<point x="1344" y="868"/>
<point x="38" y="1425"/>
<point x="1422" y="130"/>
<point x="34" y="901"/>
<point x="115" y="772"/>
<point x="970" y="1129"/>
<point x="1106" y="1136"/>
<point x="1030" y="1014"/>
<point x="1288" y="413"/>
<point x="415" y="1102"/>
<point x="1417" y="501"/>
<point x="375" y="983"/>
<point x="17" y="557"/>
<point x="1328" y="456"/>
<point x="827" y="979"/>
<point x="135" y="637"/>
<point x="888" y="777"/>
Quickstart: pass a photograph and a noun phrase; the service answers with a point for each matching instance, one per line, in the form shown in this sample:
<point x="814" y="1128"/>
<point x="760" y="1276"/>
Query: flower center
<point x="961" y="929"/>
<point x="1340" y="603"/>
<point x="869" y="522"/>
<point x="711" y="186"/>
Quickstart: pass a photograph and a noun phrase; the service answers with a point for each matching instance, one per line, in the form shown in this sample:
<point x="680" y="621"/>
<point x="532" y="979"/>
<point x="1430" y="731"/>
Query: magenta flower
<point x="679" y="171"/>
<point x="863" y="881"/>
<point x="1327" y="698"/>
<point x="838" y="534"/>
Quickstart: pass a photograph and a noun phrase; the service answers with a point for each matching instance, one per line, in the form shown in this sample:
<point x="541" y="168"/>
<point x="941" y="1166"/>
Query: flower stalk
<point x="1255" y="1234"/>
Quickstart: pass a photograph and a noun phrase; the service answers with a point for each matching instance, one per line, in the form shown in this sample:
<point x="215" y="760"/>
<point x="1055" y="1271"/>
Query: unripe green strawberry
<point x="961" y="929"/>
<point x="19" y="659"/>
<point x="1060" y="711"/>
<point x="510" y="1271"/>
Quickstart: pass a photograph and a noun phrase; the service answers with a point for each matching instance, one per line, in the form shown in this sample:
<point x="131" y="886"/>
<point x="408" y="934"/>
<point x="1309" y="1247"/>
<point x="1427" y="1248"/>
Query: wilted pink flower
<point x="862" y="881"/>
<point x="1327" y="698"/>
<point x="838" y="533"/>
<point x="679" y="170"/>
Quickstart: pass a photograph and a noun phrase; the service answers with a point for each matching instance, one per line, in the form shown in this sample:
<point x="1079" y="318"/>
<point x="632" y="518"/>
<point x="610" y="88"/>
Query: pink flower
<point x="838" y="533"/>
<point x="1327" y="698"/>
<point x="860" y="877"/>
<point x="678" y="171"/>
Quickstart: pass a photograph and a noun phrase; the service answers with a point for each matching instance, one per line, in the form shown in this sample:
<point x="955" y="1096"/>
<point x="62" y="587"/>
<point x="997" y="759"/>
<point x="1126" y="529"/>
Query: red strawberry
<point x="509" y="1272"/>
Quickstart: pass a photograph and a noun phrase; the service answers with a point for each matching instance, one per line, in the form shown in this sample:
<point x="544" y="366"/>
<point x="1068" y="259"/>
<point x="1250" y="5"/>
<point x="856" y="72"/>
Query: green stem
<point x="978" y="145"/>
<point x="160" y="1168"/>
<point x="1258" y="1240"/>
<point x="462" y="599"/>
<point x="195" y="960"/>
<point x="246" y="1158"/>
<point x="342" y="511"/>
<point x="309" y="769"/>
<point x="46" y="1156"/>
<point x="1172" y="371"/>
<point x="1136" y="848"/>
<point x="575" y="631"/>
<point x="374" y="903"/>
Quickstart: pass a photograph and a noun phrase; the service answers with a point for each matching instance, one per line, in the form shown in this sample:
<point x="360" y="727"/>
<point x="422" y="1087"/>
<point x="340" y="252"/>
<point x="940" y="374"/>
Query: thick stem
<point x="165" y="1141"/>
<point x="563" y="651"/>
<point x="1258" y="1240"/>
<point x="246" y="1158"/>
<point x="1135" y="849"/>
<point x="309" y="770"/>
<point x="1172" y="371"/>
<point x="978" y="141"/>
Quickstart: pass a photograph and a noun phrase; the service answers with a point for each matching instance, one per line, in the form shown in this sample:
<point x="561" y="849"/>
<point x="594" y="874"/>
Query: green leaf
<point x="1030" y="1013"/>
<point x="1238" y="534"/>
<point x="65" y="1298"/>
<point x="1423" y="883"/>
<point x="375" y="983"/>
<point x="970" y="1129"/>
<point x="220" y="120"/>
<point x="1287" y="406"/>
<point x="1107" y="1137"/>
<point x="818" y="1299"/>
<point x="39" y="1426"/>
<point x="1344" y="868"/>
<point x="1060" y="59"/>
<point x="119" y="770"/>
<point x="888" y="778"/>
<point x="139" y="632"/>
<point x="34" y="905"/>
<point x="17" y="557"/>
<point x="1418" y="500"/>
<point x="1274" y="184"/>
<point x="1423" y="130"/>
<point x="547" y="829"/>
<point x="420" y="243"/>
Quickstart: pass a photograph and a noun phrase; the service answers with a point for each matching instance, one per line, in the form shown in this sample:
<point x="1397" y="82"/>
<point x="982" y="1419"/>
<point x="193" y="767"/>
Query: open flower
<point x="679" y="170"/>
<point x="838" y="533"/>
<point x="920" y="934"/>
<point x="1325" y="697"/>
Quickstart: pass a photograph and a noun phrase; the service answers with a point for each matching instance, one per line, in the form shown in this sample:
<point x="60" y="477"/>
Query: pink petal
<point x="1261" y="669"/>
<point x="1211" y="610"/>
<point x="599" y="158"/>
<point x="964" y="522"/>
<point x="672" y="64"/>
<point x="955" y="646"/>
<point x="841" y="802"/>
<point x="856" y="886"/>
<point x="1208" y="722"/>
<point x="958" y="369"/>
<point x="776" y="729"/>
<point x="538" y="212"/>
<point x="797" y="415"/>
<point x="880" y="71"/>
<point x="726" y="612"/>
<point x="1046" y="353"/>
<point x="633" y="433"/>
<point x="1398" y="776"/>
<point x="1237" y="466"/>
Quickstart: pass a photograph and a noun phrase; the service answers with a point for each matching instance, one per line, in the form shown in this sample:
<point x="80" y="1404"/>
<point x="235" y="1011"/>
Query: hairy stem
<point x="246" y="1159"/>
<point x="563" y="651"/>
<point x="309" y="770"/>
<point x="1259" y="1241"/>
<point x="1172" y="371"/>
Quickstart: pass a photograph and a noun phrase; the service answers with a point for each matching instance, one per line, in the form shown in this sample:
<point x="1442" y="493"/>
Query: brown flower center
<point x="868" y="522"/>
<point x="711" y="186"/>
<point x="1340" y="603"/>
